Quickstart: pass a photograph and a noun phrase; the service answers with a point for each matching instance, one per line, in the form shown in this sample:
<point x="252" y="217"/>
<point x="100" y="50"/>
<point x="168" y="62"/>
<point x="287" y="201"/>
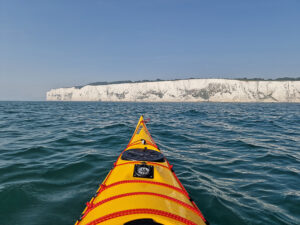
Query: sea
<point x="240" y="162"/>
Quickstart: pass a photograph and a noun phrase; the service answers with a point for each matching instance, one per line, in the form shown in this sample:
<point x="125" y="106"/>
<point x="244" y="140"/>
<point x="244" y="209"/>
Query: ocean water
<point x="239" y="162"/>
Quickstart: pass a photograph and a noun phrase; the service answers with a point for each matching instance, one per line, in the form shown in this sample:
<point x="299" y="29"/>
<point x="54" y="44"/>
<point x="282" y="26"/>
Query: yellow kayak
<point x="141" y="189"/>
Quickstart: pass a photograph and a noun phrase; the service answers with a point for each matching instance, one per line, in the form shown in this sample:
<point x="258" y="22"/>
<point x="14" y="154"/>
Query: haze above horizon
<point x="51" y="44"/>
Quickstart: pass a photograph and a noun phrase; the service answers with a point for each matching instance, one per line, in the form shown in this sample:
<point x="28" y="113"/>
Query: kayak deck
<point x="141" y="188"/>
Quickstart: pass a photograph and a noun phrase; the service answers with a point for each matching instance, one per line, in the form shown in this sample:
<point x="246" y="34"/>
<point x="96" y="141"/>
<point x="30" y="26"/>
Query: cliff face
<point x="193" y="90"/>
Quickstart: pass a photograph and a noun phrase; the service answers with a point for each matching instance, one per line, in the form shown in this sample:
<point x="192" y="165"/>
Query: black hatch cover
<point x="140" y="154"/>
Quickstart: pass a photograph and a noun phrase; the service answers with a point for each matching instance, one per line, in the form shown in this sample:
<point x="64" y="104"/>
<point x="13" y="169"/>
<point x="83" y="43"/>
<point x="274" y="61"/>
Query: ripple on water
<point x="239" y="162"/>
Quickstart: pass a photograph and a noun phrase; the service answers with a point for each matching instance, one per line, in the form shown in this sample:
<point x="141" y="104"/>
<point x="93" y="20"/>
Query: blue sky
<point x="61" y="43"/>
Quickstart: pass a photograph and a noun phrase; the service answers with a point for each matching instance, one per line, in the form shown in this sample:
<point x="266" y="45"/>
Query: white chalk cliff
<point x="191" y="90"/>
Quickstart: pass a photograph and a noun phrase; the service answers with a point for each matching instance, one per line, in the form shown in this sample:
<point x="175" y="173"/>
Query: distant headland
<point x="184" y="90"/>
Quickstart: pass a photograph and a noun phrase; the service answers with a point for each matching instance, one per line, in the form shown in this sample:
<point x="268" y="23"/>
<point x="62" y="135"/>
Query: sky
<point x="62" y="43"/>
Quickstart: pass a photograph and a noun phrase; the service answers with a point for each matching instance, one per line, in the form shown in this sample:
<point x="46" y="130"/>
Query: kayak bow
<point x="141" y="189"/>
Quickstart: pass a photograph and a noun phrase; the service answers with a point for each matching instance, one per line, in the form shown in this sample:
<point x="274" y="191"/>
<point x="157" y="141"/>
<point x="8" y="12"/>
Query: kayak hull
<point x="143" y="191"/>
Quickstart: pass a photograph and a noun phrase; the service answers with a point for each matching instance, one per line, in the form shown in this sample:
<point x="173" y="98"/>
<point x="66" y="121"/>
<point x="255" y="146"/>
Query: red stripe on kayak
<point x="146" y="182"/>
<point x="182" y="190"/>
<point x="93" y="206"/>
<point x="141" y="211"/>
